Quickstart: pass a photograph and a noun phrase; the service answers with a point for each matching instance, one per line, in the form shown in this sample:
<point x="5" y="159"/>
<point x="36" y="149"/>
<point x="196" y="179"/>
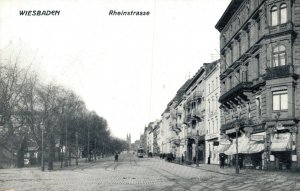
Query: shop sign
<point x="257" y="137"/>
<point x="294" y="157"/>
<point x="211" y="136"/>
<point x="279" y="126"/>
<point x="272" y="158"/>
<point x="224" y="142"/>
<point x="280" y="137"/>
<point x="230" y="131"/>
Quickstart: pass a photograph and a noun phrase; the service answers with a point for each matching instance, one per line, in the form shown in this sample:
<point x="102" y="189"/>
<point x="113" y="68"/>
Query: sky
<point x="126" y="68"/>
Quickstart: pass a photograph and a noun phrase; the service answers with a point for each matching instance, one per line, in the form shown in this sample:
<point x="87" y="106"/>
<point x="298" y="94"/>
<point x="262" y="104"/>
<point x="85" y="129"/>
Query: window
<point x="248" y="110"/>
<point x="280" y="100"/>
<point x="245" y="73"/>
<point x="258" y="106"/>
<point x="230" y="83"/>
<point x="274" y="16"/>
<point x="280" y="16"/>
<point x="258" y="64"/>
<point x="279" y="57"/>
<point x="283" y="13"/>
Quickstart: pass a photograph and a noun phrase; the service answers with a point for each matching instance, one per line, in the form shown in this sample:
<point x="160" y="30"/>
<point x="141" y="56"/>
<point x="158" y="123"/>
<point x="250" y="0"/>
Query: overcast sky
<point x="126" y="68"/>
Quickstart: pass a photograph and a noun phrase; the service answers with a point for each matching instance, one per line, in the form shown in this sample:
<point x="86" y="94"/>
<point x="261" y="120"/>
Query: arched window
<point x="279" y="56"/>
<point x="274" y="16"/>
<point x="283" y="13"/>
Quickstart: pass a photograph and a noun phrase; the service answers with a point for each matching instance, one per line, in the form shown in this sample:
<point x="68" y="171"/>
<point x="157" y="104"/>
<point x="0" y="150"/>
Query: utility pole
<point x="43" y="164"/>
<point x="66" y="150"/>
<point x="88" y="144"/>
<point x="76" y="147"/>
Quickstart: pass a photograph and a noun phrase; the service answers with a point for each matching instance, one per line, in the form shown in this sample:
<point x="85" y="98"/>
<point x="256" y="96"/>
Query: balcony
<point x="281" y="28"/>
<point x="187" y="118"/>
<point x="197" y="95"/>
<point x="196" y="114"/>
<point x="280" y="72"/>
<point x="241" y="122"/>
<point x="238" y="90"/>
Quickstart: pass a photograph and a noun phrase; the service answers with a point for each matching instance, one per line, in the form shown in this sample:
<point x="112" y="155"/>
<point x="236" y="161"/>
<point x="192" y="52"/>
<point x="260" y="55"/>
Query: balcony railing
<point x="241" y="122"/>
<point x="187" y="118"/>
<point x="279" y="72"/>
<point x="281" y="28"/>
<point x="237" y="89"/>
<point x="197" y="95"/>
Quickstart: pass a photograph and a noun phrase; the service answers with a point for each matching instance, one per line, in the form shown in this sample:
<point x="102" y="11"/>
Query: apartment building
<point x="212" y="111"/>
<point x="260" y="59"/>
<point x="194" y="110"/>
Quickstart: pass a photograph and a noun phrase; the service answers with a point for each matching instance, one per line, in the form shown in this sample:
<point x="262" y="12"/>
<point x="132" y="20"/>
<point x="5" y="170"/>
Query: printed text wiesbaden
<point x="39" y="12"/>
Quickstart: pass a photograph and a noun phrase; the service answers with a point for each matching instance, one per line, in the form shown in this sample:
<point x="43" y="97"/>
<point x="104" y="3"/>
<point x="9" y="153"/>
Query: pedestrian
<point x="222" y="160"/>
<point x="116" y="157"/>
<point x="182" y="159"/>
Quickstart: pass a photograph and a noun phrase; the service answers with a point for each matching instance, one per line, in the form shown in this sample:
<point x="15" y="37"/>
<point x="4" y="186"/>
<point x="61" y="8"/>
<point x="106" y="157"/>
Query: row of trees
<point x="49" y="116"/>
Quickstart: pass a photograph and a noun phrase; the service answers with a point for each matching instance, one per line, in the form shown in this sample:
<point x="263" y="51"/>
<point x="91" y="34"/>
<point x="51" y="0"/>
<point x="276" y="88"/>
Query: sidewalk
<point x="231" y="170"/>
<point x="82" y="163"/>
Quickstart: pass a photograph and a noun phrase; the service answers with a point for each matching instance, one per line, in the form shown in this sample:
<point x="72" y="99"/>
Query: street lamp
<point x="237" y="128"/>
<point x="197" y="149"/>
<point x="43" y="164"/>
<point x="237" y="147"/>
<point x="76" y="147"/>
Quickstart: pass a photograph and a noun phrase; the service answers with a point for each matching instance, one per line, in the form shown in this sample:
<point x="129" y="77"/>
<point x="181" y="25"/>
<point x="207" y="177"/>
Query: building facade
<point x="212" y="111"/>
<point x="260" y="59"/>
<point x="194" y="118"/>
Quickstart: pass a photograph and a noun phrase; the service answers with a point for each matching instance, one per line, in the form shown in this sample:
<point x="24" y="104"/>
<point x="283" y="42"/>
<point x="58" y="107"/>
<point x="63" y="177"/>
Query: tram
<point x="140" y="152"/>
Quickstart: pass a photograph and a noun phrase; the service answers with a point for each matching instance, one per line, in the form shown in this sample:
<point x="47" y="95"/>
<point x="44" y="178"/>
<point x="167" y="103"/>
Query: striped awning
<point x="281" y="142"/>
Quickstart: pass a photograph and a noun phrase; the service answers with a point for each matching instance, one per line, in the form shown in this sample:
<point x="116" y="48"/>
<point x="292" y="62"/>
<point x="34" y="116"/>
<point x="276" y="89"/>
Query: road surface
<point x="131" y="173"/>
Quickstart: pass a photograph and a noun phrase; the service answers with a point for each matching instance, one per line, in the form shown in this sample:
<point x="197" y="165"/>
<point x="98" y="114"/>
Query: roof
<point x="195" y="77"/>
<point x="229" y="12"/>
<point x="209" y="67"/>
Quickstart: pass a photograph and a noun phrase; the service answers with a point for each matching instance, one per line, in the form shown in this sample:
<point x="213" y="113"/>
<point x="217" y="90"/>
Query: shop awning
<point x="255" y="147"/>
<point x="281" y="142"/>
<point x="245" y="146"/>
<point x="223" y="148"/>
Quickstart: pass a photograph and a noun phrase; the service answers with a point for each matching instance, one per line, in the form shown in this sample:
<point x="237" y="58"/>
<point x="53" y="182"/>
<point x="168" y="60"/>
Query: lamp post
<point x="237" y="148"/>
<point x="76" y="147"/>
<point x="197" y="150"/>
<point x="237" y="128"/>
<point x="66" y="148"/>
<point x="43" y="164"/>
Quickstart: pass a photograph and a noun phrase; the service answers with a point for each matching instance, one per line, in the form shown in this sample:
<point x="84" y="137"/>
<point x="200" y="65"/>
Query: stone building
<point x="212" y="111"/>
<point x="260" y="93"/>
<point x="165" y="132"/>
<point x="128" y="139"/>
<point x="194" y="110"/>
<point x="176" y="126"/>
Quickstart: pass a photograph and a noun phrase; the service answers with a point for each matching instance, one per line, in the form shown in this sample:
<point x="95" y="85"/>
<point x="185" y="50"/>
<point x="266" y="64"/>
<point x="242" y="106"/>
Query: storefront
<point x="282" y="150"/>
<point x="212" y="147"/>
<point x="250" y="151"/>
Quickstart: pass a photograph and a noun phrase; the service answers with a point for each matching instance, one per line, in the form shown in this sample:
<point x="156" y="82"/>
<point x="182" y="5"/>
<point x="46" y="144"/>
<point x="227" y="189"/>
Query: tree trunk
<point x="20" y="153"/>
<point x="51" y="152"/>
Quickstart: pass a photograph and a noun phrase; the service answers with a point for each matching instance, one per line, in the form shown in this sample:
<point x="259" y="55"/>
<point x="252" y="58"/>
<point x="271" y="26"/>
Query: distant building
<point x="128" y="139"/>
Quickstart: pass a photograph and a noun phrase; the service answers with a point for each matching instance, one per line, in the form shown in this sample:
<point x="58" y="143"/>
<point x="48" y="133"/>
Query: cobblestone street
<point x="131" y="173"/>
